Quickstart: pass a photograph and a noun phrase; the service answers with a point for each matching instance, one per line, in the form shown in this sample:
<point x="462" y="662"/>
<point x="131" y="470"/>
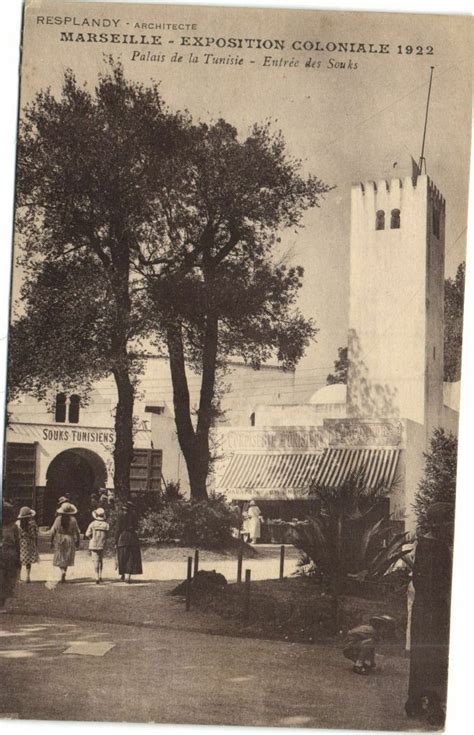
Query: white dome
<point x="330" y="394"/>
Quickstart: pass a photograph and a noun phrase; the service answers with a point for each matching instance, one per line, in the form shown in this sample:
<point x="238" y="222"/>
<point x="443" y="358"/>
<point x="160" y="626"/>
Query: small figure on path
<point x="361" y="641"/>
<point x="97" y="533"/>
<point x="254" y="522"/>
<point x="429" y="644"/>
<point x="65" y="538"/>
<point x="9" y="556"/>
<point x="129" y="558"/>
<point x="28" y="533"/>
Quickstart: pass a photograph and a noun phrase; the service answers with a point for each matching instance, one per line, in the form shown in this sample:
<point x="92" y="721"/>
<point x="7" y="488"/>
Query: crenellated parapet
<point x="435" y="196"/>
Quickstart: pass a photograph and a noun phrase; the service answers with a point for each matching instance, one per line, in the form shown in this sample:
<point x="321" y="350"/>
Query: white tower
<point x="396" y="301"/>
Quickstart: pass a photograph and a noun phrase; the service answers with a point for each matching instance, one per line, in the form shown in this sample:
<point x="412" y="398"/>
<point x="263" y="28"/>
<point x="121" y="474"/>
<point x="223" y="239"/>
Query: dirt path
<point x="184" y="677"/>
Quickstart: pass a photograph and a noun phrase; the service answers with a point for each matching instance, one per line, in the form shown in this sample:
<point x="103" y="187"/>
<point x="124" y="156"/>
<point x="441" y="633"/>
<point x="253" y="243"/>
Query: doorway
<point x="76" y="474"/>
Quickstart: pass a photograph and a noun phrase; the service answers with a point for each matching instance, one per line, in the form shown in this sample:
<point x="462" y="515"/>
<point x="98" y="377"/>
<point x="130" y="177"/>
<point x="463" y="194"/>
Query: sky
<point x="346" y="125"/>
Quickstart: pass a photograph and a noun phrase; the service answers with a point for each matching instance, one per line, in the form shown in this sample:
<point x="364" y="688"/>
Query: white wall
<point x="388" y="301"/>
<point x="298" y="414"/>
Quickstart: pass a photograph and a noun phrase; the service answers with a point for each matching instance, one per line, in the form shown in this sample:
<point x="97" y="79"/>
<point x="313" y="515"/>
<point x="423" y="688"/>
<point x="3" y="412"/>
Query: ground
<point x="160" y="663"/>
<point x="171" y="676"/>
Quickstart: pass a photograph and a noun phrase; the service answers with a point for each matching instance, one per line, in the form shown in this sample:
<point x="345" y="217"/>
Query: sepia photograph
<point x="233" y="366"/>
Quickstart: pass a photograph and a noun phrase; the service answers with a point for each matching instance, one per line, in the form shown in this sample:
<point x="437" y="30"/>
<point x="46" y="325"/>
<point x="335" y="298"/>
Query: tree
<point x="88" y="176"/>
<point x="439" y="481"/>
<point x="453" y="322"/>
<point x="61" y="338"/>
<point x="340" y="368"/>
<point x="224" y="295"/>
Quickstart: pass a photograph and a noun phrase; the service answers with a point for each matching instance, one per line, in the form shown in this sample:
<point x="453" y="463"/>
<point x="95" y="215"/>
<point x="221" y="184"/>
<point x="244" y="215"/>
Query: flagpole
<point x="422" y="157"/>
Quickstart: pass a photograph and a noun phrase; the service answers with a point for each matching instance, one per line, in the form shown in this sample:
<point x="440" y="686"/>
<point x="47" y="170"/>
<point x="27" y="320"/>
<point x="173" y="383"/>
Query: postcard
<point x="234" y="366"/>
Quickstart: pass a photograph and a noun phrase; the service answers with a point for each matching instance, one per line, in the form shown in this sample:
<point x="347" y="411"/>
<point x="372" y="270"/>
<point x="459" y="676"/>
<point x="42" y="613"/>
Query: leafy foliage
<point x="62" y="336"/>
<point x="350" y="535"/>
<point x="340" y="368"/>
<point x="225" y="295"/>
<point x="111" y="181"/>
<point x="205" y="524"/>
<point x="90" y="165"/>
<point x="453" y="318"/>
<point x="439" y="481"/>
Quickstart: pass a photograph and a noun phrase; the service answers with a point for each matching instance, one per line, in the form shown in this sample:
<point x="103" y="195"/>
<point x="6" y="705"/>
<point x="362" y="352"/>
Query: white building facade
<point x="64" y="445"/>
<point x="381" y="424"/>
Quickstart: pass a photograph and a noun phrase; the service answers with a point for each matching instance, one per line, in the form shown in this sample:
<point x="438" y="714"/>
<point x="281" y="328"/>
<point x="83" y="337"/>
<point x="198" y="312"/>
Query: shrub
<point x="204" y="523"/>
<point x="162" y="526"/>
<point x="351" y="534"/>
<point x="439" y="481"/>
<point x="208" y="523"/>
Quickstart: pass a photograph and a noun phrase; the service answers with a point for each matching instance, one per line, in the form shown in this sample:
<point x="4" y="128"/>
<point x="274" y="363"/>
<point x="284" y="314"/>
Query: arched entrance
<point x="75" y="473"/>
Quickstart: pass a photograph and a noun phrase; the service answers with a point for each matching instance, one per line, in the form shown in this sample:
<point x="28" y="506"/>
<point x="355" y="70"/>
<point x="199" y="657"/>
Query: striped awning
<point x="377" y="467"/>
<point x="270" y="472"/>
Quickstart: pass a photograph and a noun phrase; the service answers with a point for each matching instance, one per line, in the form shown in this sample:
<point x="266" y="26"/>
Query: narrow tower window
<point x="252" y="419"/>
<point x="380" y="220"/>
<point x="395" y="219"/>
<point x="74" y="403"/>
<point x="60" y="409"/>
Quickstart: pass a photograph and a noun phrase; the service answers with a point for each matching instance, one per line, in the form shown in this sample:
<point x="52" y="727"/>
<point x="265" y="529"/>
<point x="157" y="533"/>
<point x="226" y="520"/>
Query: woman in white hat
<point x="28" y="532"/>
<point x="65" y="537"/>
<point x="97" y="533"/>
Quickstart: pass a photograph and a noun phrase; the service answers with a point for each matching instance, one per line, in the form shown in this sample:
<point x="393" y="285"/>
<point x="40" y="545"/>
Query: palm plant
<point x="350" y="535"/>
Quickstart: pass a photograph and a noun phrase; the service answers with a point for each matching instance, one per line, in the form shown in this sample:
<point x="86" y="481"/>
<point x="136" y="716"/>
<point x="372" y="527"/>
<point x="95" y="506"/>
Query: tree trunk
<point x="191" y="446"/>
<point x="123" y="450"/>
<point x="206" y="408"/>
<point x="120" y="283"/>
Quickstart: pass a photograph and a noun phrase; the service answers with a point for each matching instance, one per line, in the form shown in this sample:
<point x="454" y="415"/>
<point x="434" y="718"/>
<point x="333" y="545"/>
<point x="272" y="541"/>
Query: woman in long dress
<point x="129" y="558"/>
<point x="65" y="538"/>
<point x="28" y="532"/>
<point x="254" y="522"/>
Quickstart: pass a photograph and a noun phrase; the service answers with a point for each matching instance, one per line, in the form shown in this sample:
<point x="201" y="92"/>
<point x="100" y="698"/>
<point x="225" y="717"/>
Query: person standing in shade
<point x="129" y="558"/>
<point x="97" y="533"/>
<point x="429" y="639"/>
<point x="28" y="533"/>
<point x="65" y="538"/>
<point x="9" y="555"/>
<point x="254" y="522"/>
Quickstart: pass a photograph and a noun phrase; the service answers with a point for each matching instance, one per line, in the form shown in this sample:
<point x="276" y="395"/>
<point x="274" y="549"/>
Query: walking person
<point x="65" y="538"/>
<point x="129" y="558"/>
<point x="9" y="556"/>
<point x="28" y="533"/>
<point x="254" y="522"/>
<point x="97" y="533"/>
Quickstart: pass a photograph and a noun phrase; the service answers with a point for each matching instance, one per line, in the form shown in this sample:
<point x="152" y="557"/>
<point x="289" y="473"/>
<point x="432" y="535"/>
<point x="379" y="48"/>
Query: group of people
<point x="20" y="543"/>
<point x="65" y="539"/>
